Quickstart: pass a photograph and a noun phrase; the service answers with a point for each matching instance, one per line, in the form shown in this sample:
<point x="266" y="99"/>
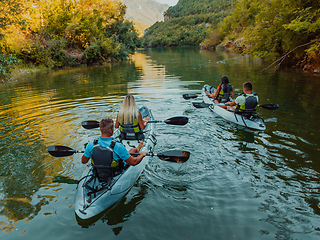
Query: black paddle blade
<point x="60" y="151"/>
<point x="270" y="106"/>
<point x="201" y="104"/>
<point x="189" y="96"/>
<point x="90" y="124"/>
<point x="174" y="156"/>
<point x="177" y="121"/>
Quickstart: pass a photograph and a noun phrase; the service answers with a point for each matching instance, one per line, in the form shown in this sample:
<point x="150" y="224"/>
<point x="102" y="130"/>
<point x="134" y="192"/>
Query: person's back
<point x="223" y="92"/>
<point x="248" y="101"/>
<point x="129" y="119"/>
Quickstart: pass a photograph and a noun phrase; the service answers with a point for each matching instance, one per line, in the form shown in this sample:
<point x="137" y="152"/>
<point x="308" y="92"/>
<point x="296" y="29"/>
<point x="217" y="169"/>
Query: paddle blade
<point x="177" y="121"/>
<point x="201" y="104"/>
<point x="174" y="156"/>
<point x="189" y="96"/>
<point x="90" y="124"/>
<point x="270" y="106"/>
<point x="60" y="151"/>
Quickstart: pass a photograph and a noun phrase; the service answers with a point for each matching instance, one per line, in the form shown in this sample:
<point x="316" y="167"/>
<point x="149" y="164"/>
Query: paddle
<point x="189" y="96"/>
<point x="170" y="156"/>
<point x="266" y="106"/>
<point x="173" y="121"/>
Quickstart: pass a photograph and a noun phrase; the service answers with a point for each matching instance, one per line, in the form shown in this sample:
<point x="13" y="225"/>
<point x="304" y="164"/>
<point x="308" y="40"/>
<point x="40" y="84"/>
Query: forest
<point x="284" y="31"/>
<point x="63" y="33"/>
<point x="71" y="33"/>
<point x="188" y="23"/>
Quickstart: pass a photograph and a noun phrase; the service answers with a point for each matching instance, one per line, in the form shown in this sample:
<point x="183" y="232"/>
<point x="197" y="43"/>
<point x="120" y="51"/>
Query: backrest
<point x="104" y="173"/>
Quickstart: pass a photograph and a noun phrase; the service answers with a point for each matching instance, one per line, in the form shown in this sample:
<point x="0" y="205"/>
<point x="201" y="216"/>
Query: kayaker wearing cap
<point x="246" y="102"/>
<point x="223" y="92"/>
<point x="106" y="151"/>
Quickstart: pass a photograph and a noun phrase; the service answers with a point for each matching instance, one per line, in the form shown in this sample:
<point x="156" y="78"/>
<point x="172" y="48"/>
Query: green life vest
<point x="249" y="105"/>
<point x="130" y="128"/>
<point x="223" y="96"/>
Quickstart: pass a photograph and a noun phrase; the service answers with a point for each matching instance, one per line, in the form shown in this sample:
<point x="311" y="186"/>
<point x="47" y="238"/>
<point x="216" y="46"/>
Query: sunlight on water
<point x="238" y="183"/>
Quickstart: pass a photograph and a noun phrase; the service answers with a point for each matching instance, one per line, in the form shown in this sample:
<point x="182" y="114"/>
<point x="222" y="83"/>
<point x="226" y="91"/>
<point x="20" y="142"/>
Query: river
<point x="237" y="184"/>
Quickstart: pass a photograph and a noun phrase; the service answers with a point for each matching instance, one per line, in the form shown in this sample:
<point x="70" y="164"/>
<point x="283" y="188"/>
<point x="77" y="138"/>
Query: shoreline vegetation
<point x="63" y="34"/>
<point x="49" y="35"/>
<point x="284" y="32"/>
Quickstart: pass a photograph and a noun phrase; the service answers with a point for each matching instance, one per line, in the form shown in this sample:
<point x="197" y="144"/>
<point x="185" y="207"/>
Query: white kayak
<point x="93" y="197"/>
<point x="254" y="121"/>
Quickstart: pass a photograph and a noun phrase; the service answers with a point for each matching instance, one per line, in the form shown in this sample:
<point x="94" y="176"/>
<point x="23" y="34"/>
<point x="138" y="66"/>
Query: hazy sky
<point x="169" y="2"/>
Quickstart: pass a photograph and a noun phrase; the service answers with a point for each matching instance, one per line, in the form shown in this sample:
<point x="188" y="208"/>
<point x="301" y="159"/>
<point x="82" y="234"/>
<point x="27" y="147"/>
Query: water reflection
<point x="117" y="214"/>
<point x="280" y="165"/>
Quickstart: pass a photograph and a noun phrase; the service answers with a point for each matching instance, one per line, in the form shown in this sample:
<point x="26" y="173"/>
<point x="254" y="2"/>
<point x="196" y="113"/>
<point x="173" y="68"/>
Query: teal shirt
<point x="119" y="151"/>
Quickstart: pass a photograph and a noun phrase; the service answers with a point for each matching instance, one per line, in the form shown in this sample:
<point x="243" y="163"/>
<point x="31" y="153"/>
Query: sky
<point x="169" y="2"/>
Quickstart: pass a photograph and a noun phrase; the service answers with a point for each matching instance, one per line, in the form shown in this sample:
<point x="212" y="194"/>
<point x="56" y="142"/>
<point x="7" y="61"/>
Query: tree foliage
<point x="188" y="23"/>
<point x="59" y="33"/>
<point x="275" y="27"/>
<point x="195" y="7"/>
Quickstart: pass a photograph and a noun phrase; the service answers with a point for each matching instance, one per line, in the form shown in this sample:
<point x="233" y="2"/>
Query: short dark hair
<point x="247" y="86"/>
<point x="105" y="125"/>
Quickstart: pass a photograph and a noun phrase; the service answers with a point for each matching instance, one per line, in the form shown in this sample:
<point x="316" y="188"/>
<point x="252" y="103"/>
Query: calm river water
<point x="237" y="184"/>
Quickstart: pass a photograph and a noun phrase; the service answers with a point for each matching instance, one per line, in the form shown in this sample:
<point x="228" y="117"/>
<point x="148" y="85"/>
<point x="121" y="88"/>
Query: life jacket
<point x="104" y="166"/>
<point x="130" y="128"/>
<point x="223" y="96"/>
<point x="131" y="131"/>
<point x="250" y="104"/>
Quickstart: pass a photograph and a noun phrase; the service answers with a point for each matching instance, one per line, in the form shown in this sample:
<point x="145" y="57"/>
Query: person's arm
<point x="84" y="159"/>
<point x="136" y="160"/>
<point x="215" y="94"/>
<point x="143" y="123"/>
<point x="233" y="103"/>
<point x="232" y="94"/>
<point x="87" y="152"/>
<point x="117" y="122"/>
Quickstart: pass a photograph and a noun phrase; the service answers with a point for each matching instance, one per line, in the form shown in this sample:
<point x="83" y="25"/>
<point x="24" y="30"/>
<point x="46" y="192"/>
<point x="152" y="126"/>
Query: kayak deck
<point x="93" y="197"/>
<point x="254" y="121"/>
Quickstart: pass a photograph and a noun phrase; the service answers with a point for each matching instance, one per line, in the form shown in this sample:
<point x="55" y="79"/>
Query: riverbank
<point x="311" y="66"/>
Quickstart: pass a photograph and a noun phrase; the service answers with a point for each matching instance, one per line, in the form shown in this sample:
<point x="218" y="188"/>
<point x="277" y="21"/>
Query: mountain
<point x="188" y="23"/>
<point x="145" y="11"/>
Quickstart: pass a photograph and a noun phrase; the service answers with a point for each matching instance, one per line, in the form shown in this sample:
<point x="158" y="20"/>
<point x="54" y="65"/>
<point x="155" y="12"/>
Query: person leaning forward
<point x="120" y="153"/>
<point x="246" y="102"/>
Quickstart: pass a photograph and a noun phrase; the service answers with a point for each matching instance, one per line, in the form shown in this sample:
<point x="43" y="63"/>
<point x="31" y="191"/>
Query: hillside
<point x="145" y="11"/>
<point x="187" y="23"/>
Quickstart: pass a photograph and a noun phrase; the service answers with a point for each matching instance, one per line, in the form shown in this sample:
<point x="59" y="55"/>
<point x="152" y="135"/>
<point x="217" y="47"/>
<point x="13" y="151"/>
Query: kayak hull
<point x="254" y="122"/>
<point x="89" y="203"/>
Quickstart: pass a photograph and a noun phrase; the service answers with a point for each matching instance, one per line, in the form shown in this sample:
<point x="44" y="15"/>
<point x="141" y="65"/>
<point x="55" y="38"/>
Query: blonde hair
<point x="128" y="111"/>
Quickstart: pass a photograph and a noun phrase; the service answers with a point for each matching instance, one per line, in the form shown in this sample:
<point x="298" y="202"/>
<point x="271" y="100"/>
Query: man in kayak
<point x="106" y="151"/>
<point x="246" y="102"/>
<point x="223" y="92"/>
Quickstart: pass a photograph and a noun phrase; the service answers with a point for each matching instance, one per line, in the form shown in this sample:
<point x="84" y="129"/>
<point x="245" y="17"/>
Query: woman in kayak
<point x="130" y="117"/>
<point x="223" y="92"/>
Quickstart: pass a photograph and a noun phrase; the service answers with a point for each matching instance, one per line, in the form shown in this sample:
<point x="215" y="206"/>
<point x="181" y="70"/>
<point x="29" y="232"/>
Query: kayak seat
<point x="247" y="113"/>
<point x="105" y="173"/>
<point x="132" y="136"/>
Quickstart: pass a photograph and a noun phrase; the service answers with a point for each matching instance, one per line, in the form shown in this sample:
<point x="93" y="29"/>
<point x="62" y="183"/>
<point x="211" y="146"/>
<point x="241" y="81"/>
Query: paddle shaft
<point x="170" y="155"/>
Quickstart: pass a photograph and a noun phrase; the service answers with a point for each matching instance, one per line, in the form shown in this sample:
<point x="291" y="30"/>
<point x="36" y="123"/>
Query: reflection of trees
<point x="21" y="176"/>
<point x="99" y="81"/>
<point x="30" y="114"/>
<point x="118" y="213"/>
